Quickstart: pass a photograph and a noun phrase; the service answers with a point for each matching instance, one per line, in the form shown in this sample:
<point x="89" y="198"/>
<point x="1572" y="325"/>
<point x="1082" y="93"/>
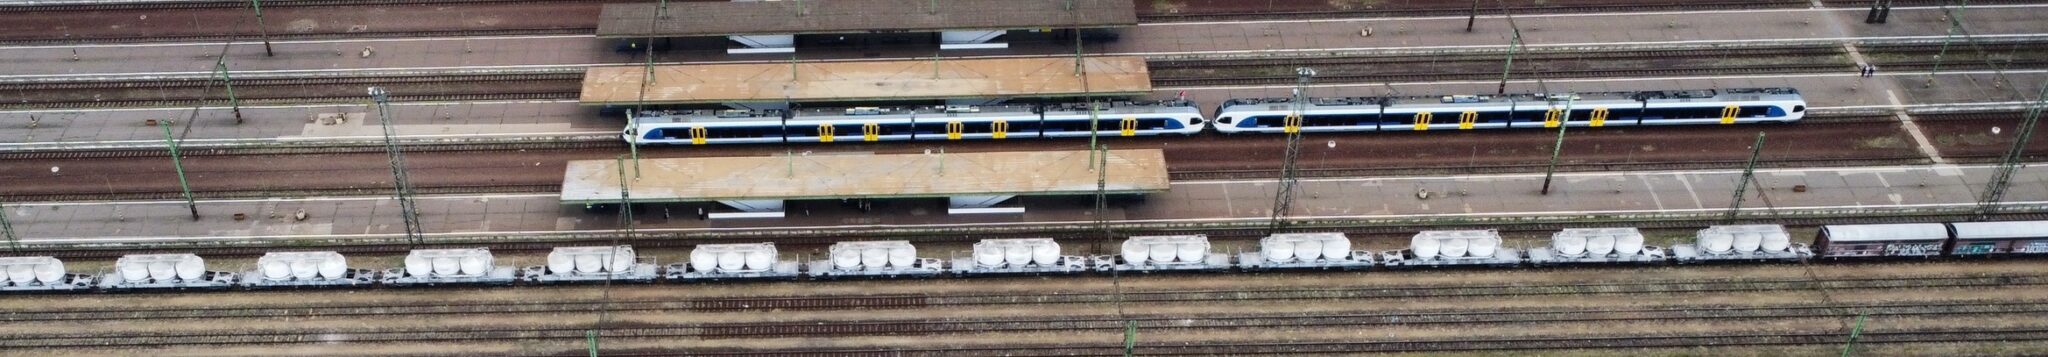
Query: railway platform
<point x="972" y="183"/>
<point x="1470" y="199"/>
<point x="772" y="27"/>
<point x="756" y="85"/>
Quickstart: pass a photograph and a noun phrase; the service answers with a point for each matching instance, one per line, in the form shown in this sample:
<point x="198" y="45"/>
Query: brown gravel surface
<point x="1509" y="150"/>
<point x="336" y="331"/>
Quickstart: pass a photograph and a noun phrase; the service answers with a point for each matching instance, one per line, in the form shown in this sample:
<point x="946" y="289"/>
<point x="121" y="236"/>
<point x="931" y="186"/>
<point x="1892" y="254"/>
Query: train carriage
<point x="1918" y="240"/>
<point x="1998" y="238"/>
<point x="950" y="122"/>
<point x="1465" y="112"/>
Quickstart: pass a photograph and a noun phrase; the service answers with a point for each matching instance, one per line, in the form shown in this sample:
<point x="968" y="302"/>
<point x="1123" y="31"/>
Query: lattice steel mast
<point x="1994" y="191"/>
<point x="398" y="178"/>
<point x="1283" y="200"/>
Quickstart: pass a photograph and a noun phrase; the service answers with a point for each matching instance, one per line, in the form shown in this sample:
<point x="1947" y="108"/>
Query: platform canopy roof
<point x="809" y="82"/>
<point x="834" y="176"/>
<point x="690" y="19"/>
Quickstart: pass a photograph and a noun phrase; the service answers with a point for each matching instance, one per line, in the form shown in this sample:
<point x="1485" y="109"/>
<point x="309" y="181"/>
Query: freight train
<point x="1244" y="115"/>
<point x="1041" y="256"/>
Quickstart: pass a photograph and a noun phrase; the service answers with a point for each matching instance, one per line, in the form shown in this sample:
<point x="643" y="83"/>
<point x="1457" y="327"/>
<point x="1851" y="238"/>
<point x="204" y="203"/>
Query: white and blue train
<point x="1464" y="112"/>
<point x="1244" y="115"/>
<point x="954" y="122"/>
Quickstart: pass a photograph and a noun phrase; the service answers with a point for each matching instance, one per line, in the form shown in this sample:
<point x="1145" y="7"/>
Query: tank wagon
<point x="1042" y="256"/>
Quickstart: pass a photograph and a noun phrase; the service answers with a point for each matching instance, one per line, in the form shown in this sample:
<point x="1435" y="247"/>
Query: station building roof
<point x="808" y="82"/>
<point x="689" y="19"/>
<point x="834" y="176"/>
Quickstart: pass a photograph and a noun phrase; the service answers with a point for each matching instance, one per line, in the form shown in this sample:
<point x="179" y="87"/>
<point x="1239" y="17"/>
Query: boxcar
<point x="1882" y="240"/>
<point x="1999" y="238"/>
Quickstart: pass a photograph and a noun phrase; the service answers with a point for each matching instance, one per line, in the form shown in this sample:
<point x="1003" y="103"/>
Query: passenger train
<point x="1243" y="115"/>
<point x="1041" y="256"/>
<point x="952" y="122"/>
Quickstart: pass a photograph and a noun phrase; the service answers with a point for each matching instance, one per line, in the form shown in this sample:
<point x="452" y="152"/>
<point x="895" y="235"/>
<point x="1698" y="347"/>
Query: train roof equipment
<point x="1164" y="253"/>
<point x="599" y="263"/>
<point x="164" y="271"/>
<point x="1741" y="242"/>
<point x="1017" y="256"/>
<point x="304" y="269"/>
<point x="734" y="261"/>
<point x="450" y="266"/>
<point x="1449" y="248"/>
<point x="971" y="181"/>
<point x="1596" y="246"/>
<point x="1328" y="250"/>
<point x="39" y="274"/>
<point x="890" y="258"/>
<point x="867" y="81"/>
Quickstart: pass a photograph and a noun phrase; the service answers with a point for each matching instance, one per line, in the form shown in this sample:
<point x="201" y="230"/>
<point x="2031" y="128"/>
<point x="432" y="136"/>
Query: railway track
<point x="311" y="90"/>
<point x="567" y="85"/>
<point x="1558" y="343"/>
<point x="1555" y="64"/>
<point x="784" y="329"/>
<point x="909" y="301"/>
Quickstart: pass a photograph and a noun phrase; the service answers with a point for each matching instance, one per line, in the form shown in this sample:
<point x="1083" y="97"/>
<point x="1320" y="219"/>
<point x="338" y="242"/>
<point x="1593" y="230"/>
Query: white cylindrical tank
<point x="476" y="265"/>
<point x="846" y="259"/>
<point x="274" y="269"/>
<point x="760" y="259"/>
<point x="163" y="270"/>
<point x="1629" y="244"/>
<point x="1776" y="241"/>
<point x="874" y="257"/>
<point x="191" y="268"/>
<point x="305" y="269"/>
<point x="416" y="265"/>
<point x="1017" y="254"/>
<point x="902" y="256"/>
<point x="703" y="260"/>
<point x="447" y="265"/>
<point x="988" y="254"/>
<point x="1425" y="246"/>
<point x="51" y="271"/>
<point x="134" y="272"/>
<point x="561" y="263"/>
<point x="622" y="259"/>
<point x="1045" y="254"/>
<point x="1718" y="243"/>
<point x="1337" y="247"/>
<point x="1748" y="242"/>
<point x="1568" y="244"/>
<point x="1164" y="252"/>
<point x="19" y="274"/>
<point x="1454" y="247"/>
<point x="1308" y="249"/>
<point x="1278" y="250"/>
<point x="589" y="263"/>
<point x="1192" y="252"/>
<point x="731" y="260"/>
<point x="1599" y="244"/>
<point x="334" y="268"/>
<point x="1136" y="252"/>
<point x="1483" y="246"/>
